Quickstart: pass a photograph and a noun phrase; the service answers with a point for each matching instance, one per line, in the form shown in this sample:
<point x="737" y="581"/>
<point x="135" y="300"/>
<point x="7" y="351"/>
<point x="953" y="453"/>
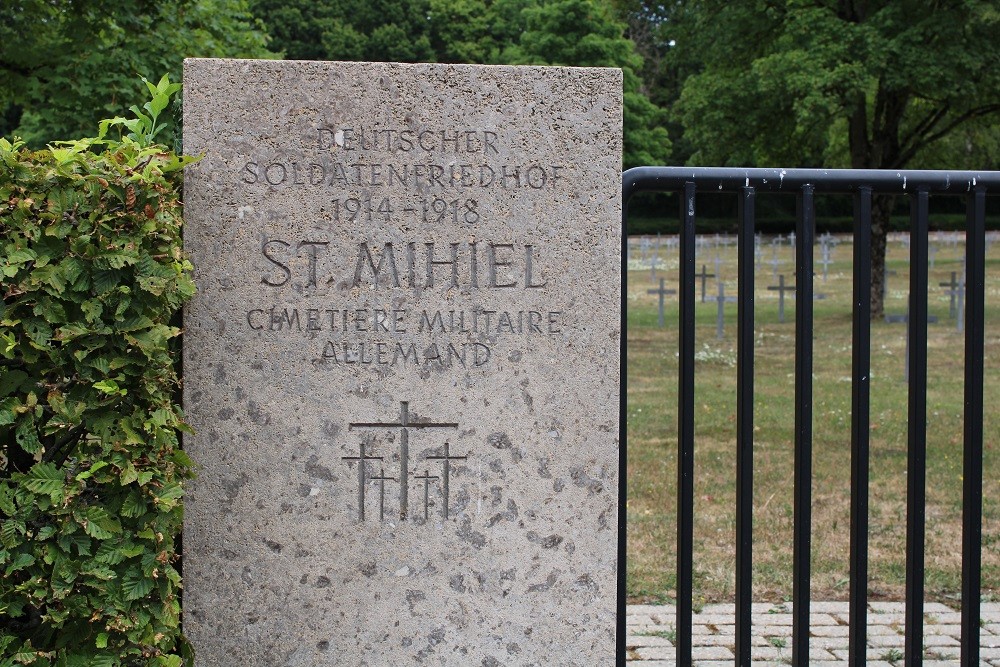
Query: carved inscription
<point x="415" y="176"/>
<point x="389" y="177"/>
<point x="405" y="426"/>
<point x="429" y="159"/>
<point x="478" y="265"/>
<point x="405" y="140"/>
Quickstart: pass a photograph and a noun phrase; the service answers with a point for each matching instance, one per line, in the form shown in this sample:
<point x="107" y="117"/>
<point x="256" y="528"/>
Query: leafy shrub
<point x="91" y="272"/>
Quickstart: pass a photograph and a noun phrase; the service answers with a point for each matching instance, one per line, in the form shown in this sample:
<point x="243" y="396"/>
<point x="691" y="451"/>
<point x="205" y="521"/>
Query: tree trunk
<point x="882" y="206"/>
<point x="869" y="153"/>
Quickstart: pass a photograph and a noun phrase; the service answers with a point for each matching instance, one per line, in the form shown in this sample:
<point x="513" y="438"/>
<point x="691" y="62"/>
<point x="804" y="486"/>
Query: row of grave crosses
<point x="405" y="426"/>
<point x="826" y="243"/>
<point x="781" y="288"/>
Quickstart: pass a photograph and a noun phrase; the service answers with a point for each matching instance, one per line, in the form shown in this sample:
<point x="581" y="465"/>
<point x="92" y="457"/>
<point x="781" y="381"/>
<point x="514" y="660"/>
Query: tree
<point x="870" y="84"/>
<point x="347" y="29"/>
<point x="68" y="63"/>
<point x="473" y="31"/>
<point x="651" y="25"/>
<point x="541" y="32"/>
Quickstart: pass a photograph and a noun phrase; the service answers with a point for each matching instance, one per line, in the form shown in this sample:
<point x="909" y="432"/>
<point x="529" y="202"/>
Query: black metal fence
<point x="918" y="186"/>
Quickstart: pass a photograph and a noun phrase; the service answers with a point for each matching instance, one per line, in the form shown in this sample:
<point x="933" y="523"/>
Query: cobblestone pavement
<point x="650" y="630"/>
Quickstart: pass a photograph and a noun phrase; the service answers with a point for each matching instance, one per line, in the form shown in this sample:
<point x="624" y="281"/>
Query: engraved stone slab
<point x="402" y="363"/>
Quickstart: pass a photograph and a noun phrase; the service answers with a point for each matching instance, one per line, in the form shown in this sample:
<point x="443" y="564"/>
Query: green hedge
<point x="90" y="468"/>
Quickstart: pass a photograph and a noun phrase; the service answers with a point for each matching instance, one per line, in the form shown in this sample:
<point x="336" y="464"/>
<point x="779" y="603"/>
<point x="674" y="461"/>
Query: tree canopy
<point x="539" y="32"/>
<point x="860" y="83"/>
<point x="65" y="64"/>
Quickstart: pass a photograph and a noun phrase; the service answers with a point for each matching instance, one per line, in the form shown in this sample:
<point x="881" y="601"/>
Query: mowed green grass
<point x="652" y="435"/>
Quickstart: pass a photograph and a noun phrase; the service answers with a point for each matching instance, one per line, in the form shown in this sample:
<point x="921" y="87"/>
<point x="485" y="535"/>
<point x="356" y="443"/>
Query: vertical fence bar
<point x="916" y="469"/>
<point x="744" y="426"/>
<point x="860" y="424"/>
<point x="685" y="431"/>
<point x="806" y="229"/>
<point x="972" y="501"/>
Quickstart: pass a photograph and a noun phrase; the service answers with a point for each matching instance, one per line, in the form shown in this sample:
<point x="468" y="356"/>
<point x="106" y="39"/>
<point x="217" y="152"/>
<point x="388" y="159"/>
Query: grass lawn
<point x="652" y="434"/>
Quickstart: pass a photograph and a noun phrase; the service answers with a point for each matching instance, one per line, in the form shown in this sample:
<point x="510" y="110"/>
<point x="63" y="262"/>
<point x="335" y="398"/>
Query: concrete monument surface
<point x="402" y="364"/>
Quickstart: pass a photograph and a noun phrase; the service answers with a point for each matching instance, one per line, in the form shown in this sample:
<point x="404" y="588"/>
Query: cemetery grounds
<point x="652" y="431"/>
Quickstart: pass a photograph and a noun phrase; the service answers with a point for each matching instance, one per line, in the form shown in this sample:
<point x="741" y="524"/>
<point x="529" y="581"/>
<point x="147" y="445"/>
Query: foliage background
<point x="66" y="64"/>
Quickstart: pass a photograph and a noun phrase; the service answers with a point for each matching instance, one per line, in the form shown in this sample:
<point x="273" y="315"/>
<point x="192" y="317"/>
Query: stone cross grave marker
<point x="825" y="260"/>
<point x="956" y="301"/>
<point x="704" y="275"/>
<point x="402" y="375"/>
<point x="952" y="293"/>
<point x="662" y="292"/>
<point x="781" y="288"/>
<point x="721" y="300"/>
<point x="655" y="259"/>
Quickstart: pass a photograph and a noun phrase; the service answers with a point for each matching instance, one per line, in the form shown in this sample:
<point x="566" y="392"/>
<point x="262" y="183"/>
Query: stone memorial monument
<point x="402" y="364"/>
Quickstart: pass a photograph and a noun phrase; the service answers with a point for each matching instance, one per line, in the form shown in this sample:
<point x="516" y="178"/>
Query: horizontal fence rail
<point x="861" y="185"/>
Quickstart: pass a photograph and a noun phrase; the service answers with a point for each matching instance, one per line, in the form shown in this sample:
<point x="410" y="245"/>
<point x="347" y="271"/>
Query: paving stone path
<point x="650" y="630"/>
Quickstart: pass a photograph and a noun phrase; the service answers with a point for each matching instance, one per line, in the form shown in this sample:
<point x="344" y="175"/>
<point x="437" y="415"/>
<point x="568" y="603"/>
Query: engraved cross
<point x="427" y="477"/>
<point x="361" y="458"/>
<point x="381" y="479"/>
<point x="404" y="425"/>
<point x="448" y="458"/>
